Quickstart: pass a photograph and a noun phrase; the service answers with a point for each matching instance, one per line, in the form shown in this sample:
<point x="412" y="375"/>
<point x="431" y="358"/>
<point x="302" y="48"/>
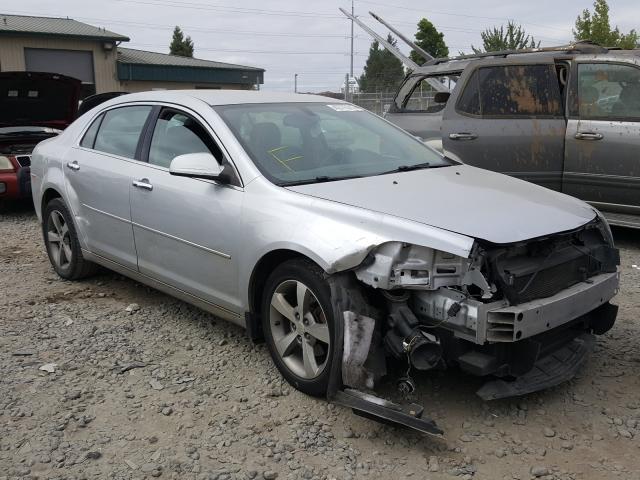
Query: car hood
<point x="462" y="199"/>
<point x="38" y="99"/>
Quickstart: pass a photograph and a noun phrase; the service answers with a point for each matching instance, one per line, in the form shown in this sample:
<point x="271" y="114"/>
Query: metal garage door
<point x="73" y="63"/>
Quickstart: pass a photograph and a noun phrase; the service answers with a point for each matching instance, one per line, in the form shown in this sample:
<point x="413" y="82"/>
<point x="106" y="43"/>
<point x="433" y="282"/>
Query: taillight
<point x="6" y="164"/>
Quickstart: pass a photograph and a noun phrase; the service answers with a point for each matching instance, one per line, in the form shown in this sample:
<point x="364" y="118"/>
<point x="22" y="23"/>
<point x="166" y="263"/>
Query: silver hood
<point x="462" y="199"/>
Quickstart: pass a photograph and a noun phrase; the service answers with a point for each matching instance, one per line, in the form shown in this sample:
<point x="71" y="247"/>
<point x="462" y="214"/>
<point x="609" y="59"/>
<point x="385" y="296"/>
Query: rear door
<point x="98" y="176"/>
<point x="603" y="136"/>
<point x="509" y="118"/>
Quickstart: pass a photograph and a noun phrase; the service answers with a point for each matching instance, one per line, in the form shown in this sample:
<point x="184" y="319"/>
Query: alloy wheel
<point x="59" y="240"/>
<point x="299" y="329"/>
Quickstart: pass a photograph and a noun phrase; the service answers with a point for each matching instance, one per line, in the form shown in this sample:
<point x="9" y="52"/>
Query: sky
<point x="312" y="38"/>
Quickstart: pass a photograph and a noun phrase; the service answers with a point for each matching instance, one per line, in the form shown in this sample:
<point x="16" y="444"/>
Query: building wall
<point x="143" y="86"/>
<point x="104" y="62"/>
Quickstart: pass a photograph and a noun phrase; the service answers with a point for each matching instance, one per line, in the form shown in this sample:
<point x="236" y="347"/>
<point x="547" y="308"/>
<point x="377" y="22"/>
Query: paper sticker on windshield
<point x="344" y="107"/>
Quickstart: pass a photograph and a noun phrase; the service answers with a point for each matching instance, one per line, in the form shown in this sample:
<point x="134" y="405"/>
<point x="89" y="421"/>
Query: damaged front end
<point x="524" y="314"/>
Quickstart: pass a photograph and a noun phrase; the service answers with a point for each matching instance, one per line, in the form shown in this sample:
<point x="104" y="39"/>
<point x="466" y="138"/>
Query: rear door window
<point x="512" y="91"/>
<point x="120" y="130"/>
<point x="608" y="92"/>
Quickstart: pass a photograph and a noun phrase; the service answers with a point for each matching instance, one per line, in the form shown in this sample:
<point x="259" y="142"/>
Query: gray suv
<point x="567" y="118"/>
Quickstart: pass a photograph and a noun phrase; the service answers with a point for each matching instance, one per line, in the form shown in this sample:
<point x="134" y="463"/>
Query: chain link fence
<point x="380" y="102"/>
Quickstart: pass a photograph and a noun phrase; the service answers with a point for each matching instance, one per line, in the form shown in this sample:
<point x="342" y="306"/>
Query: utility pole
<point x="351" y="68"/>
<point x="295" y="83"/>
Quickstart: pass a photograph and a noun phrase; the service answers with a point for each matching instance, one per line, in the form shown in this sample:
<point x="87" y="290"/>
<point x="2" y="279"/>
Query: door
<point x="509" y="118"/>
<point x="73" y="63"/>
<point x="603" y="136"/>
<point x="98" y="176"/>
<point x="186" y="230"/>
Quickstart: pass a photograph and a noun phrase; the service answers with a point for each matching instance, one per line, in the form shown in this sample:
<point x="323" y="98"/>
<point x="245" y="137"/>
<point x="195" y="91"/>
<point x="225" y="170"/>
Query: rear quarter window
<point x="90" y="135"/>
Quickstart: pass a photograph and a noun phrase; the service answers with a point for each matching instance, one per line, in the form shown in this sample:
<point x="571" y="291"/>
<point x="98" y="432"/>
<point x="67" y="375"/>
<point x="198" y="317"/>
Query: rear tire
<point x="299" y="337"/>
<point x="61" y="241"/>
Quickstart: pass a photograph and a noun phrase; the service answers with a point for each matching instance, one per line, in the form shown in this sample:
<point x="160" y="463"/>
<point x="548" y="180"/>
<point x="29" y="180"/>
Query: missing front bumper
<point x="557" y="367"/>
<point x="348" y="365"/>
<point x="381" y="410"/>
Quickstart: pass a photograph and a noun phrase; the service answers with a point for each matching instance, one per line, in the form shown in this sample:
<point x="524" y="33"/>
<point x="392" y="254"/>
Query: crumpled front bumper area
<point x="351" y="373"/>
<point x="557" y="367"/>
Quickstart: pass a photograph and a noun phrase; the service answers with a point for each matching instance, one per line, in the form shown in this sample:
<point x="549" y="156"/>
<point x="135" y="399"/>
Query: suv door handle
<point x="73" y="166"/>
<point x="589" y="136"/>
<point x="143" y="183"/>
<point x="463" y="136"/>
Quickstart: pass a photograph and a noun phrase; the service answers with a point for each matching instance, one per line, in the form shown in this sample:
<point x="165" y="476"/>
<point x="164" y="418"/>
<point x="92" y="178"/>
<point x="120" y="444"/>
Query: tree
<point x="430" y="40"/>
<point x="383" y="72"/>
<point x="180" y="45"/>
<point x="496" y="39"/>
<point x="596" y="27"/>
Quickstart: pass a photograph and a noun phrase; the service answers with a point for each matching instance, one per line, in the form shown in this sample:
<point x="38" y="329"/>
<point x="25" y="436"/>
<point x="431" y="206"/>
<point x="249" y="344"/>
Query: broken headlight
<point x="396" y="265"/>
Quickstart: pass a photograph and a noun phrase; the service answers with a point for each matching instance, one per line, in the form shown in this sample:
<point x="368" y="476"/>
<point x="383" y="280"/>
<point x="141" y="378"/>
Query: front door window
<point x="608" y="92"/>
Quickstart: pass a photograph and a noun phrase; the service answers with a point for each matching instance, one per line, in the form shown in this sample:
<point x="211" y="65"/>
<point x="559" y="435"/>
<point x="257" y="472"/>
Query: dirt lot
<point x="161" y="389"/>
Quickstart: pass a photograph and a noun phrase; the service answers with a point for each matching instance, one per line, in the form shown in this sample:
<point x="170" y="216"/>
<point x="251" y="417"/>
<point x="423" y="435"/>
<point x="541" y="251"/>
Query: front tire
<point x="61" y="241"/>
<point x="297" y="322"/>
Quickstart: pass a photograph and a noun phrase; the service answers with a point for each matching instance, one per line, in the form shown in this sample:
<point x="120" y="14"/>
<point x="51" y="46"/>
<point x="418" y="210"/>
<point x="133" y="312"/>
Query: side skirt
<point x="205" y="305"/>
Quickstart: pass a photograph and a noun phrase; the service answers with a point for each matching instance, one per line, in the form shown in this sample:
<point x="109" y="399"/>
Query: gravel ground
<point x="143" y="386"/>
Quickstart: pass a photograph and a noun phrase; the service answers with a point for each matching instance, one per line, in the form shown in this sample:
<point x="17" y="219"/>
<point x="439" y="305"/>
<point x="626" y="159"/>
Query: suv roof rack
<point x="580" y="46"/>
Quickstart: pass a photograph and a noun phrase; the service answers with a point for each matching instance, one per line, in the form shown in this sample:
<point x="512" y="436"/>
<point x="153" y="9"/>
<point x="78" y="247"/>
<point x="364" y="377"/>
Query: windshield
<point x="311" y="142"/>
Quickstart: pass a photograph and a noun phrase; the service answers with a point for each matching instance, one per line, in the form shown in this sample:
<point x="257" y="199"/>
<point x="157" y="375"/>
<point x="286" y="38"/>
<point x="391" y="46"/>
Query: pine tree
<point x="179" y="45"/>
<point x="430" y="40"/>
<point x="383" y="72"/>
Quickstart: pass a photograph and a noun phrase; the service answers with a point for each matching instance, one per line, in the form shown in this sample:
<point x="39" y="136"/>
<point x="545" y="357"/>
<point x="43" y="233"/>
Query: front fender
<point x="337" y="237"/>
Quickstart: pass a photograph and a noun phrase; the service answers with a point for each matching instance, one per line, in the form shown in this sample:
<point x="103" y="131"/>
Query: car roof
<point x="225" y="97"/>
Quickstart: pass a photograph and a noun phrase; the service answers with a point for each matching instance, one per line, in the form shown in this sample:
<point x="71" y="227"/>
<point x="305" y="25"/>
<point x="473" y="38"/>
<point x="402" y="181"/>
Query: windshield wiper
<point x="408" y="168"/>
<point x="318" y="179"/>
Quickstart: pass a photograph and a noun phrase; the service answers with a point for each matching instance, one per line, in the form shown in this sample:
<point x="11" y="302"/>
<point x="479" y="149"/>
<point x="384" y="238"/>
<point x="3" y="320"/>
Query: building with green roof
<point x="94" y="55"/>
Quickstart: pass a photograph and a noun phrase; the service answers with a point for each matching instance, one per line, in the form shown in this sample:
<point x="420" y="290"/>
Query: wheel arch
<point x="267" y="263"/>
<point x="49" y="194"/>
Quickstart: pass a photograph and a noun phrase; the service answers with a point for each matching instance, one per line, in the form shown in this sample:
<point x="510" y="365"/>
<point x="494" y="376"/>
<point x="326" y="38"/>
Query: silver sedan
<point x="341" y="240"/>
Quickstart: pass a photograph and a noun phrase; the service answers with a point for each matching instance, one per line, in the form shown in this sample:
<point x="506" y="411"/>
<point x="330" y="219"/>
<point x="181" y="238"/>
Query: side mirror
<point x="198" y="165"/>
<point x="441" y="97"/>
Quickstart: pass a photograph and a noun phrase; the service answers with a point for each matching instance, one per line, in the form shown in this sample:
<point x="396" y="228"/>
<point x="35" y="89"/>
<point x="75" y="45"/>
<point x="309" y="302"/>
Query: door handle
<point x="463" y="136"/>
<point x="73" y="166"/>
<point x="143" y="183"/>
<point x="589" y="136"/>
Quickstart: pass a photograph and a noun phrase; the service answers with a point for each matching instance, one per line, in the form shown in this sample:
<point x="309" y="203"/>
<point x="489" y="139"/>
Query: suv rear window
<point x="512" y="91"/>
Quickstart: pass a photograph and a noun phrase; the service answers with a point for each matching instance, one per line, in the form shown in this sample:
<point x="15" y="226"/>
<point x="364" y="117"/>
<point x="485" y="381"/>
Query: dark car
<point x="34" y="106"/>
